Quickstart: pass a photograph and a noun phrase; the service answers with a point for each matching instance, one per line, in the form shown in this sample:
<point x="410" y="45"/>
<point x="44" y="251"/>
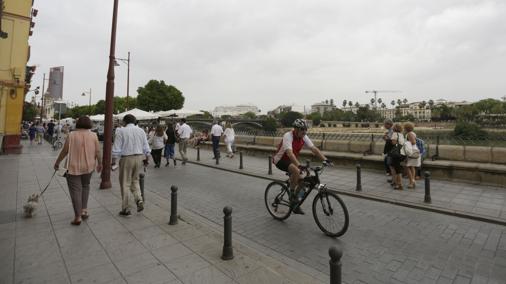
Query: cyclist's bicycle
<point x="329" y="211"/>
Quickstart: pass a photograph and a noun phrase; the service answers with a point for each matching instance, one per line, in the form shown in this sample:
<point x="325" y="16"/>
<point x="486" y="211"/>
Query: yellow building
<point x="16" y="24"/>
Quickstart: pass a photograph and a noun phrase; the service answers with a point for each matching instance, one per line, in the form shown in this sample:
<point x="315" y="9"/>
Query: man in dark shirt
<point x="50" y="130"/>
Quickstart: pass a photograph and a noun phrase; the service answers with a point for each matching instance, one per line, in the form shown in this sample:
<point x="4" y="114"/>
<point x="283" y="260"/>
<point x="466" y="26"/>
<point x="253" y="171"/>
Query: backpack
<point x="420" y="144"/>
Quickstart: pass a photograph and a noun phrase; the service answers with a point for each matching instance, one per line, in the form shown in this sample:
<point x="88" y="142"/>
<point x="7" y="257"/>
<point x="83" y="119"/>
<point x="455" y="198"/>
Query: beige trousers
<point x="183" y="144"/>
<point x="129" y="168"/>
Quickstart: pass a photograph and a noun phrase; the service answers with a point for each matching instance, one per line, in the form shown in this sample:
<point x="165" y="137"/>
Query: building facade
<point x="322" y="107"/>
<point x="234" y="110"/>
<point x="15" y="76"/>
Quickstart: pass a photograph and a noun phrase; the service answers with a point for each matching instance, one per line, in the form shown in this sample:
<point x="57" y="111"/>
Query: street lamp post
<point x="84" y="94"/>
<point x="128" y="76"/>
<point x="109" y="96"/>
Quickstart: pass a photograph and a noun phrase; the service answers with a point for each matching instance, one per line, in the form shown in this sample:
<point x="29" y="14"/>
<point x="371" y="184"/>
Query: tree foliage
<point x="469" y="130"/>
<point x="29" y="111"/>
<point x="157" y="96"/>
<point x="269" y="124"/>
<point x="249" y="115"/>
<point x="287" y="118"/>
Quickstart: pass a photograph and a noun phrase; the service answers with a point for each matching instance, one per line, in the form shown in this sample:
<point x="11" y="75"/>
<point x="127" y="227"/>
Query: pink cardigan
<point x="83" y="149"/>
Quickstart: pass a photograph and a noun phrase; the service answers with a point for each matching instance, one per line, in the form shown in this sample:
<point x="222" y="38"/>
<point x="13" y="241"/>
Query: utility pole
<point x="109" y="96"/>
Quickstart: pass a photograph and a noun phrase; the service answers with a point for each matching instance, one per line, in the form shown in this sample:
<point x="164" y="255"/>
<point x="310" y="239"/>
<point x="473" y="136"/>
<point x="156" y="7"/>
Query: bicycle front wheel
<point x="277" y="200"/>
<point x="330" y="214"/>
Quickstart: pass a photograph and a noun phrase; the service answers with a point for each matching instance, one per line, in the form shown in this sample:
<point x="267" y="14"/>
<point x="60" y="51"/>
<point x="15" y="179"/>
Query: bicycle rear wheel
<point x="277" y="200"/>
<point x="330" y="214"/>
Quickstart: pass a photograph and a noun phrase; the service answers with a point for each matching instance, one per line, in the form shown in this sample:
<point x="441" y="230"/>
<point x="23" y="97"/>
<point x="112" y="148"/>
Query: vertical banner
<point x="55" y="88"/>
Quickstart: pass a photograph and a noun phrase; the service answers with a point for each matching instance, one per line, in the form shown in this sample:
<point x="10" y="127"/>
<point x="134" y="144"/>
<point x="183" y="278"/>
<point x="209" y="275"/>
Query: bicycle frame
<point x="313" y="181"/>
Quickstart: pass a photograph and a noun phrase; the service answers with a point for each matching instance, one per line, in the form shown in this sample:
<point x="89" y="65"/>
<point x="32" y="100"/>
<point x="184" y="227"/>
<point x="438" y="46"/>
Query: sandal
<point x="85" y="215"/>
<point x="75" y="223"/>
<point x="398" y="187"/>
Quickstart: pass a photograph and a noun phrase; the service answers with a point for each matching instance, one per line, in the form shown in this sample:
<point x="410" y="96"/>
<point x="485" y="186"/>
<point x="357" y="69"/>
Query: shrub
<point x="468" y="130"/>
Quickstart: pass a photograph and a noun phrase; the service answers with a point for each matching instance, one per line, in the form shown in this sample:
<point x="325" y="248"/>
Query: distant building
<point x="234" y="110"/>
<point x="322" y="107"/>
<point x="286" y="108"/>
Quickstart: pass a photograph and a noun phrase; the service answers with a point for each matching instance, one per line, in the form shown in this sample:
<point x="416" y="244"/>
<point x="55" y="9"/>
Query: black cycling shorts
<point x="283" y="165"/>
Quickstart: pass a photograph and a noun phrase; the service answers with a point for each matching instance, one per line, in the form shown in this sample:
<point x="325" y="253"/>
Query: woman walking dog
<point x="83" y="157"/>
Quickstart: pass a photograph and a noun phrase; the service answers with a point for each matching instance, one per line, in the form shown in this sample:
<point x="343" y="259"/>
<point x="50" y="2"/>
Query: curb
<point x="377" y="198"/>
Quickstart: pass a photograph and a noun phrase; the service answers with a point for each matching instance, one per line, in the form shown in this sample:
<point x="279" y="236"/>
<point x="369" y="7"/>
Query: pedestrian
<point x="170" y="143"/>
<point x="229" y="138"/>
<point x="396" y="159"/>
<point x="40" y="133"/>
<point x="216" y="132"/>
<point x="185" y="132"/>
<point x="32" y="132"/>
<point x="157" y="142"/>
<point x="50" y="131"/>
<point x="82" y="150"/>
<point x="411" y="161"/>
<point x="132" y="148"/>
<point x="387" y="136"/>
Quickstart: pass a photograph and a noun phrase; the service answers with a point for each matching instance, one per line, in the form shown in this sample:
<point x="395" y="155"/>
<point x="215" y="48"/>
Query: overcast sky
<point x="269" y="53"/>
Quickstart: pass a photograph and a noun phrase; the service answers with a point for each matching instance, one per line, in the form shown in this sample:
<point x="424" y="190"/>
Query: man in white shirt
<point x="131" y="146"/>
<point x="216" y="132"/>
<point x="184" y="132"/>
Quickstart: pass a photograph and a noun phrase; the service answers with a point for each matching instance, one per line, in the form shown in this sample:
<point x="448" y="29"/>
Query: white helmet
<point x="300" y="124"/>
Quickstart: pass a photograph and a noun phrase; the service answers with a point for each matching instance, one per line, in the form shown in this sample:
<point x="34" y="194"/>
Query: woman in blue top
<point x="32" y="130"/>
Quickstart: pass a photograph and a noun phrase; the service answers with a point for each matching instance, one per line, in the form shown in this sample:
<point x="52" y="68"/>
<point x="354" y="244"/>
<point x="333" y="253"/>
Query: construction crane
<point x="375" y="92"/>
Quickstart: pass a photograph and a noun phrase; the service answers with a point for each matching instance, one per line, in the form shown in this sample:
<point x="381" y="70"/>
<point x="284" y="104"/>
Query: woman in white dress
<point x="411" y="163"/>
<point x="229" y="138"/>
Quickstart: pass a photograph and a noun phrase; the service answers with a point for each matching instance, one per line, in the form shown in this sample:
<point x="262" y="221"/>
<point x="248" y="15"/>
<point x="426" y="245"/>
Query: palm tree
<point x="380" y="101"/>
<point x="357" y="105"/>
<point x="392" y="103"/>
<point x="345" y="103"/>
<point x="372" y="101"/>
<point x="405" y="101"/>
<point x="350" y="103"/>
<point x="399" y="102"/>
<point x="422" y="104"/>
<point x="383" y="105"/>
<point x="431" y="103"/>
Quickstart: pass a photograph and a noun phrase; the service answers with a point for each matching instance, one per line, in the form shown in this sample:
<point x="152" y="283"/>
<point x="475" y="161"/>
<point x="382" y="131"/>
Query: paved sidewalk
<point x="111" y="249"/>
<point x="486" y="203"/>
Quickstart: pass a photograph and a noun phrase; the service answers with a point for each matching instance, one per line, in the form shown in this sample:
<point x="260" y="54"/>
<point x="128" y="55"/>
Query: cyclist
<point x="286" y="156"/>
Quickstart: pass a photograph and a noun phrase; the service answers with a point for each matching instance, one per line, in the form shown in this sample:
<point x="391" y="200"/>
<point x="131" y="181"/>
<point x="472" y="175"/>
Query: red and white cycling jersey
<point x="290" y="141"/>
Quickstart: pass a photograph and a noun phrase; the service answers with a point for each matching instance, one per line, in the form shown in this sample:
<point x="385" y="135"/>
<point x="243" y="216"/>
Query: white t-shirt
<point x="229" y="135"/>
<point x="216" y="130"/>
<point x="157" y="142"/>
<point x="184" y="131"/>
<point x="288" y="143"/>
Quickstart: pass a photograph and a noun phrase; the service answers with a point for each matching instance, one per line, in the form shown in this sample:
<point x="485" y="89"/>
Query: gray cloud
<point x="274" y="52"/>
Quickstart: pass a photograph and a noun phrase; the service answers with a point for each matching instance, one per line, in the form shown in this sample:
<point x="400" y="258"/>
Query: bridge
<point x="236" y="123"/>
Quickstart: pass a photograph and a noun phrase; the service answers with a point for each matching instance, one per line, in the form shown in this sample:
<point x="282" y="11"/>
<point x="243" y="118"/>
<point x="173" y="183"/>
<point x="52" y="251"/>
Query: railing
<point x="492" y="140"/>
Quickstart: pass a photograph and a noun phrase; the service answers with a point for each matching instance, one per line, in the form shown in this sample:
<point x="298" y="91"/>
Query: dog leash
<point x="48" y="183"/>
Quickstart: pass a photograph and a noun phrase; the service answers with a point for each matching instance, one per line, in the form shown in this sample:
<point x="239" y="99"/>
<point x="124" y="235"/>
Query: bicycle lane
<point x="384" y="243"/>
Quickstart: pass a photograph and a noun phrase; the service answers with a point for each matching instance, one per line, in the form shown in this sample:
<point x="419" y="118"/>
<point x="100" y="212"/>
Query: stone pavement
<point x="111" y="249"/>
<point x="486" y="203"/>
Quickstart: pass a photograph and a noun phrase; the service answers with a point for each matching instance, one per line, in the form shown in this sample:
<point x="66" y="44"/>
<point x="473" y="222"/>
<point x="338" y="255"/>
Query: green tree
<point x="469" y="130"/>
<point x="249" y="115"/>
<point x="269" y="124"/>
<point x="100" y="107"/>
<point x="287" y="118"/>
<point x="157" y="96"/>
<point x="315" y="117"/>
<point x="29" y="111"/>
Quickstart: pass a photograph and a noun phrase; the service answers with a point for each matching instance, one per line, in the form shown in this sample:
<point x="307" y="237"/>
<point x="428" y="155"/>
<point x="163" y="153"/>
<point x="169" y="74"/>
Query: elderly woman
<point x="83" y="157"/>
<point x="397" y="141"/>
<point x="229" y="139"/>
<point x="411" y="163"/>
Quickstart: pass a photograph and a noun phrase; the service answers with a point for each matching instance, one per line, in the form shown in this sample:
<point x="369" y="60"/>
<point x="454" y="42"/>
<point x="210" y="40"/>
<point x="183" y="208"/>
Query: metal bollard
<point x="427" y="198"/>
<point x="270" y="165"/>
<point x="218" y="160"/>
<point x="141" y="185"/>
<point x="173" y="205"/>
<point x="335" y="265"/>
<point x="228" y="252"/>
<point x="359" y="178"/>
<point x="198" y="153"/>
<point x="240" y="160"/>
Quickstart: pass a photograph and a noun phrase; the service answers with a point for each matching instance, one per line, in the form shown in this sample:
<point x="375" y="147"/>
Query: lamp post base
<point x="105" y="184"/>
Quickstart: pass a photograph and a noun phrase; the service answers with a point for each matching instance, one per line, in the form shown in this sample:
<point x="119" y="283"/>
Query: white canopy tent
<point x="97" y="117"/>
<point x="138" y="113"/>
<point x="178" y="113"/>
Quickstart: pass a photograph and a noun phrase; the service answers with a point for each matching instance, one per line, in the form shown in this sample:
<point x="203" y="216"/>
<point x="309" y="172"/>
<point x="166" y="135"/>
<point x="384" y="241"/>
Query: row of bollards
<point x="228" y="250"/>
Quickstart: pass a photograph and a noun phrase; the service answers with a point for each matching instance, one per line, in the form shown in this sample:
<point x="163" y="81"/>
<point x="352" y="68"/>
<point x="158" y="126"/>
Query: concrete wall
<point x="476" y="154"/>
